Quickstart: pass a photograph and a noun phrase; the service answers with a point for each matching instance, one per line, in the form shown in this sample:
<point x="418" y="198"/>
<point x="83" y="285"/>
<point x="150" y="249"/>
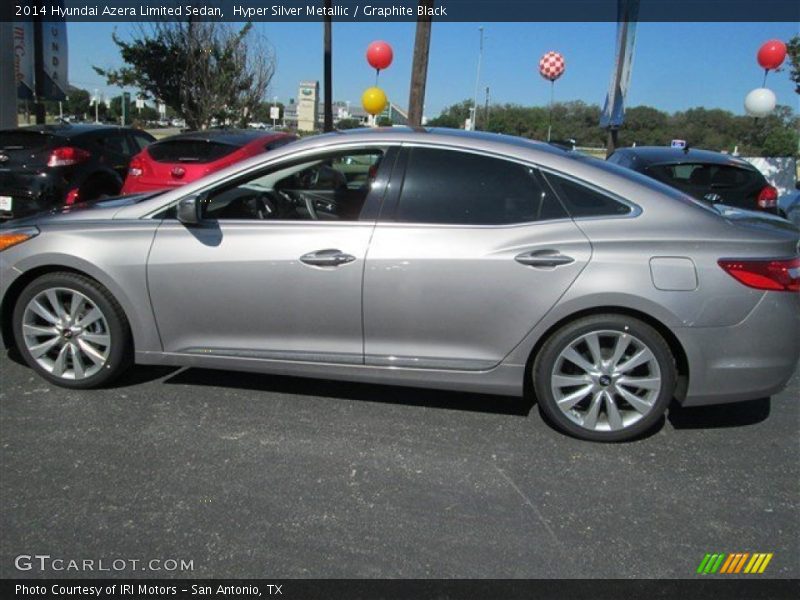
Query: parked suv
<point x="47" y="166"/>
<point x="705" y="175"/>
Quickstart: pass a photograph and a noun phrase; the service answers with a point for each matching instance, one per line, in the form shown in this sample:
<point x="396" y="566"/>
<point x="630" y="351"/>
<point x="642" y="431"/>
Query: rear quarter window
<point x="189" y="151"/>
<point x="583" y="201"/>
<point x="22" y="140"/>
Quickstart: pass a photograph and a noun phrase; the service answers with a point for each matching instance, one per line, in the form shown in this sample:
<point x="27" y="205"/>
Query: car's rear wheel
<point x="605" y="377"/>
<point x="72" y="331"/>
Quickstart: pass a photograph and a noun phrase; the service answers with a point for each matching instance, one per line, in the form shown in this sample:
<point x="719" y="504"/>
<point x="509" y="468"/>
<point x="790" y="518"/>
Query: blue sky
<point x="677" y="65"/>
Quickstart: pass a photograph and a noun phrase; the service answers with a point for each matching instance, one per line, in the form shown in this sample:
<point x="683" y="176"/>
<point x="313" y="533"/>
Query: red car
<point x="179" y="159"/>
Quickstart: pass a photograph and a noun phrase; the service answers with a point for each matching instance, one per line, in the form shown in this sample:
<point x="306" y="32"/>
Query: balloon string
<point x="377" y="74"/>
<point x="766" y="72"/>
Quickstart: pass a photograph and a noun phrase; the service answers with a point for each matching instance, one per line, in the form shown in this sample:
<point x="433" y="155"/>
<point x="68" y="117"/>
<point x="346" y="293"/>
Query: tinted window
<point x="116" y="143"/>
<point x="706" y="176"/>
<point x="140" y="141"/>
<point x="449" y="187"/>
<point x="22" y="140"/>
<point x="582" y="201"/>
<point x="189" y="151"/>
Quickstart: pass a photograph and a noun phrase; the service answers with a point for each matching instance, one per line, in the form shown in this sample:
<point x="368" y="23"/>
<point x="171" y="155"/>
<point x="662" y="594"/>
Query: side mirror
<point x="190" y="210"/>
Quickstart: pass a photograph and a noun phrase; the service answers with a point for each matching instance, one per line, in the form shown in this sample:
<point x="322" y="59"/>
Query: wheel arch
<point x="19" y="284"/>
<point x="675" y="346"/>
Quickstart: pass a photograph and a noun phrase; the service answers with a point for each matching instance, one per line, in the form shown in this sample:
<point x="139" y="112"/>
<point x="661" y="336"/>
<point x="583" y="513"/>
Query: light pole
<point x="477" y="82"/>
<point x="274" y="117"/>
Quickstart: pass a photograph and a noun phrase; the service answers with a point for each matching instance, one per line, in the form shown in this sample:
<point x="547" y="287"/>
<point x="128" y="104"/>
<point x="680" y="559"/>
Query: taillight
<point x="72" y="196"/>
<point x="136" y="168"/>
<point x="780" y="275"/>
<point x="768" y="197"/>
<point x="66" y="156"/>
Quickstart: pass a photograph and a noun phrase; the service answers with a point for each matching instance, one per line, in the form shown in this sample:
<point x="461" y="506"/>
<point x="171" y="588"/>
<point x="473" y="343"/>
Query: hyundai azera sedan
<point x="430" y="258"/>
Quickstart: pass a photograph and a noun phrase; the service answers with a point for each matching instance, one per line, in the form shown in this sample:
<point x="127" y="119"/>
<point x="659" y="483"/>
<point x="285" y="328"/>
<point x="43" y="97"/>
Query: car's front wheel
<point x="604" y="377"/>
<point x="72" y="331"/>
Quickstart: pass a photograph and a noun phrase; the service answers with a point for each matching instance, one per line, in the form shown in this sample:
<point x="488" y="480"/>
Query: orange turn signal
<point x="15" y="236"/>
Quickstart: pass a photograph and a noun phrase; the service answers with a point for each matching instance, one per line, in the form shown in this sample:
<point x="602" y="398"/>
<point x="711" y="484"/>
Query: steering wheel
<point x="298" y="198"/>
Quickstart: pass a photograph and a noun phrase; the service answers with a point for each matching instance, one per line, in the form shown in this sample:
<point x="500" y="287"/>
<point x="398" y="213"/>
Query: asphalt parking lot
<point x="257" y="476"/>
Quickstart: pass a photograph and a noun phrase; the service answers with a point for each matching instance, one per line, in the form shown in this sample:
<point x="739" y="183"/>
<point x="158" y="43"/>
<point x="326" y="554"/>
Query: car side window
<point x="583" y="201"/>
<point x="461" y="188"/>
<point x="116" y="143"/>
<point x="330" y="187"/>
<point x="140" y="142"/>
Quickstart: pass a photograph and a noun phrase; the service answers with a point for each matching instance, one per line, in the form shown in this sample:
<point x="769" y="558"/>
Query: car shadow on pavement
<point x="133" y="376"/>
<point x="371" y="392"/>
<point x="736" y="414"/>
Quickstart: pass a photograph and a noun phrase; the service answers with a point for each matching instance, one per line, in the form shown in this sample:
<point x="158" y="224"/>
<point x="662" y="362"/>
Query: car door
<point x="474" y="252"/>
<point x="276" y="284"/>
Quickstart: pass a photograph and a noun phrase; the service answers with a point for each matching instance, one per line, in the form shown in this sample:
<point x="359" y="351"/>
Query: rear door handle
<point x="327" y="258"/>
<point x="543" y="258"/>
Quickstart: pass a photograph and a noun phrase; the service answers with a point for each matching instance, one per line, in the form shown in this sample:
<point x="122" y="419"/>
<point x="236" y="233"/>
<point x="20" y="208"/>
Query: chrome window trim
<point x="636" y="210"/>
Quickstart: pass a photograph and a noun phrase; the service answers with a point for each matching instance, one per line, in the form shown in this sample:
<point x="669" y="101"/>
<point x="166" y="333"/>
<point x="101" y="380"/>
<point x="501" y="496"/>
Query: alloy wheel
<point x="606" y="380"/>
<point x="66" y="333"/>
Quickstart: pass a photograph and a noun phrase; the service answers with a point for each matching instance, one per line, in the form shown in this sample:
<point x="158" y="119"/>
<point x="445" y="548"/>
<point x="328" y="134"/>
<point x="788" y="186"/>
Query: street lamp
<point x="474" y="111"/>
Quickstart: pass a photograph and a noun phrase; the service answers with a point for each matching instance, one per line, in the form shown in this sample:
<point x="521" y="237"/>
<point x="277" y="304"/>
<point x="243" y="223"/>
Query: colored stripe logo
<point x="736" y="562"/>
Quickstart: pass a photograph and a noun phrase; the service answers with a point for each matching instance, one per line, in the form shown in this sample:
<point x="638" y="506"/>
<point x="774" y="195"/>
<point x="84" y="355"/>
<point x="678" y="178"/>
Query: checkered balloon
<point x="551" y="66"/>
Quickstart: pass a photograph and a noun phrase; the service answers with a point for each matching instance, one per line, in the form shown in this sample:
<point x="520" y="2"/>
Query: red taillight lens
<point x="66" y="156"/>
<point x="780" y="275"/>
<point x="768" y="197"/>
<point x="136" y="168"/>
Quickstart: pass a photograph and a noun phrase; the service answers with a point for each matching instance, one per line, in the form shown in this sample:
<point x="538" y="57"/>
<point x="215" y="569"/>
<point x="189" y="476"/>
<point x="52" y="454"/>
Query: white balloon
<point x="760" y="102"/>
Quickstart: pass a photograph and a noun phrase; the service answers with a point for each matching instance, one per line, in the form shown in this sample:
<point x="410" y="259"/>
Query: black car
<point x="46" y="166"/>
<point x="705" y="175"/>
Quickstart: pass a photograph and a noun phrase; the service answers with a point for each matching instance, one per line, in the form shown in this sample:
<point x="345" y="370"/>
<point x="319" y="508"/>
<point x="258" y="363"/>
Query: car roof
<point x="457" y="137"/>
<point x="232" y="137"/>
<point x="68" y="130"/>
<point x="650" y="155"/>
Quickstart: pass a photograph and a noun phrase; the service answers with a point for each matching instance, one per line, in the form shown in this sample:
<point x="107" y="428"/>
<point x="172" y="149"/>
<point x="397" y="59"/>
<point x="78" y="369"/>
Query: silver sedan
<point x="429" y="258"/>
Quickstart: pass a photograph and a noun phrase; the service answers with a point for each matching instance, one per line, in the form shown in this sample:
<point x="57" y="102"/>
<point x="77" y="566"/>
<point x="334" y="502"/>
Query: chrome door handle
<point x="327" y="258"/>
<point x="543" y="258"/>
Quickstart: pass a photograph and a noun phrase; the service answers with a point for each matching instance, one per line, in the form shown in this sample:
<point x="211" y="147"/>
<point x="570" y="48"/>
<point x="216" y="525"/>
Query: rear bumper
<point x="30" y="193"/>
<point x="752" y="359"/>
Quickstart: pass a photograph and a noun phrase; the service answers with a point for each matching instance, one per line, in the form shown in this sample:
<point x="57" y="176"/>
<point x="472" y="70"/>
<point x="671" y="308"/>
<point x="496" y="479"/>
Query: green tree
<point x="202" y="70"/>
<point x="384" y="122"/>
<point x="348" y="124"/>
<point x="793" y="50"/>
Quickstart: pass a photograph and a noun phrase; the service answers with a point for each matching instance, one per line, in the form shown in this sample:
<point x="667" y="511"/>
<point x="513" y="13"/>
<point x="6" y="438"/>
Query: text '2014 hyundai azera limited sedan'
<point x="429" y="258"/>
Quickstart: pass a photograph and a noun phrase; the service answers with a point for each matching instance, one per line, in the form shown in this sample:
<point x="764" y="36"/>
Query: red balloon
<point x="771" y="54"/>
<point x="379" y="55"/>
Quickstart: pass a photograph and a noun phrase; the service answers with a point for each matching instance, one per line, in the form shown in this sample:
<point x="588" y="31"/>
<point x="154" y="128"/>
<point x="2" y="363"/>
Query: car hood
<point x="83" y="211"/>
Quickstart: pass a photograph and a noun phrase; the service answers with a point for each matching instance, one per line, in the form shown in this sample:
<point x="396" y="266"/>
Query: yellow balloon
<point x="374" y="100"/>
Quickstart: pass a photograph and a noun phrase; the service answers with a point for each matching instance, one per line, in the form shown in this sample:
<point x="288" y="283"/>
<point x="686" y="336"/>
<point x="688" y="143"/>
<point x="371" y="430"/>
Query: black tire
<point x="120" y="353"/>
<point x="546" y="362"/>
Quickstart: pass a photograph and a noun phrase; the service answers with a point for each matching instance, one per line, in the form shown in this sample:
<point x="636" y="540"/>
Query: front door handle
<point x="327" y="258"/>
<point x="543" y="258"/>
